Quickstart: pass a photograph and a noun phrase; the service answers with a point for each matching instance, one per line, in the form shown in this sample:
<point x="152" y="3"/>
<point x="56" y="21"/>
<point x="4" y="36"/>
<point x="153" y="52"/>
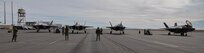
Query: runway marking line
<point x="52" y="42"/>
<point x="156" y="42"/>
<point x="165" y="44"/>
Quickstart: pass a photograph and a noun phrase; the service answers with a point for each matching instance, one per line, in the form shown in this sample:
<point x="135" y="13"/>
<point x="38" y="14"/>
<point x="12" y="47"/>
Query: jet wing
<point x="172" y="29"/>
<point x="71" y="27"/>
<point x="109" y="27"/>
<point x="87" y="26"/>
<point x="42" y="26"/>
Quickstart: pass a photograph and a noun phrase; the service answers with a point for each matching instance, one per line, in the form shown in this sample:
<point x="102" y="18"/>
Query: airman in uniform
<point x="66" y="33"/>
<point x="98" y="32"/>
<point x="62" y="30"/>
<point x="15" y="30"/>
<point x="101" y="31"/>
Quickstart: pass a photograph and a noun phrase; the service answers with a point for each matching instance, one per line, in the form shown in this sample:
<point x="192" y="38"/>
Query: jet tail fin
<point x="51" y="22"/>
<point x="121" y="22"/>
<point x="110" y="23"/>
<point x="76" y="23"/>
<point x="166" y="25"/>
<point x="175" y="24"/>
<point x="84" y="23"/>
<point x="189" y="23"/>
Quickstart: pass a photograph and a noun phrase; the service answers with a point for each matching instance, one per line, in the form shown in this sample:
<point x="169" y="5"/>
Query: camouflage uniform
<point x="98" y="32"/>
<point x="62" y="30"/>
<point x="66" y="33"/>
<point x="14" y="34"/>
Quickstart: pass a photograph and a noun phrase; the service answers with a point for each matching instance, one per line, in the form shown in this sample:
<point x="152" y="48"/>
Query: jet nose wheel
<point x="169" y="33"/>
<point x="182" y="34"/>
<point x="49" y="30"/>
<point x="84" y="31"/>
<point x="123" y="32"/>
<point x="186" y="34"/>
<point x="72" y="31"/>
<point x="110" y="32"/>
<point x="38" y="30"/>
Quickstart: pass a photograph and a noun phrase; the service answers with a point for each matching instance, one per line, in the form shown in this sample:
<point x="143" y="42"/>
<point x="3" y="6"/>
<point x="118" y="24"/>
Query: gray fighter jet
<point x="43" y="25"/>
<point x="118" y="27"/>
<point x="182" y="29"/>
<point x="78" y="27"/>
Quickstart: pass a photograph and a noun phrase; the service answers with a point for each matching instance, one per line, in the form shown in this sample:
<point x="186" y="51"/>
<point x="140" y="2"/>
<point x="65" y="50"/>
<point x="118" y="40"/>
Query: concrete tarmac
<point x="29" y="41"/>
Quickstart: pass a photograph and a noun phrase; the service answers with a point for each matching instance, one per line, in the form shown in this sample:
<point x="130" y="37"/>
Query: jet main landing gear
<point x="111" y="32"/>
<point x="184" y="34"/>
<point x="123" y="32"/>
<point x="49" y="30"/>
<point x="72" y="31"/>
<point x="85" y="31"/>
<point x="38" y="30"/>
<point x="169" y="33"/>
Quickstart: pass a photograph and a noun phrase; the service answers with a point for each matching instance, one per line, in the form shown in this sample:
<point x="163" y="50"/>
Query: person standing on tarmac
<point x="14" y="34"/>
<point x="62" y="30"/>
<point x="98" y="32"/>
<point x="101" y="31"/>
<point x="66" y="33"/>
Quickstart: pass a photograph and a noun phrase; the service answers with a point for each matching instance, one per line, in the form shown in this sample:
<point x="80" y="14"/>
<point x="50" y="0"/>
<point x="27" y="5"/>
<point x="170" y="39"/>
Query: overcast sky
<point x="133" y="13"/>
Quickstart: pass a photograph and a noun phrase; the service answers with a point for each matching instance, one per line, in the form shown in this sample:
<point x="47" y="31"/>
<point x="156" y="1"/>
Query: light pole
<point x="12" y="12"/>
<point x="4" y="12"/>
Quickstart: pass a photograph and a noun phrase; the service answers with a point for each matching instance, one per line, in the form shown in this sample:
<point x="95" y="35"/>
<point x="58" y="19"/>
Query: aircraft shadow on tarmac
<point x="38" y="32"/>
<point x="78" y="33"/>
<point x="53" y="32"/>
<point x="174" y="35"/>
<point x="115" y="34"/>
<point x="5" y="42"/>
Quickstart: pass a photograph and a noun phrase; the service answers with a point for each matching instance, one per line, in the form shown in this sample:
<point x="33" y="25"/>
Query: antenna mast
<point x="12" y="11"/>
<point x="4" y="12"/>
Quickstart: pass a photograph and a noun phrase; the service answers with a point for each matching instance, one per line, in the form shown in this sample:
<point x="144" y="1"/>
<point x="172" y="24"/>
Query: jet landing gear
<point x="111" y="32"/>
<point x="184" y="34"/>
<point x="78" y="31"/>
<point x="49" y="30"/>
<point x="121" y="32"/>
<point x="85" y="31"/>
<point x="38" y="30"/>
<point x="169" y="33"/>
<point x="72" y="31"/>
